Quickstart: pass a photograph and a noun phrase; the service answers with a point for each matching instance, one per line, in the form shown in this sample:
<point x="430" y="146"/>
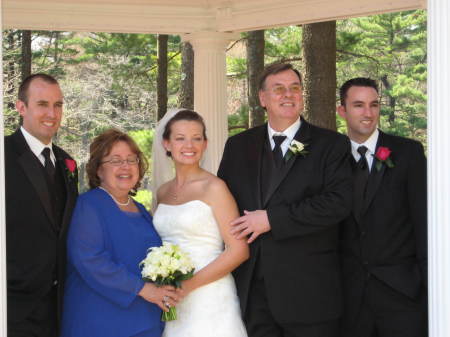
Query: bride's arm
<point x="236" y="251"/>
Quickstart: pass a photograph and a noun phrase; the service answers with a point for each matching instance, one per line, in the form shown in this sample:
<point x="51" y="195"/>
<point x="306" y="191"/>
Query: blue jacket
<point x="104" y="248"/>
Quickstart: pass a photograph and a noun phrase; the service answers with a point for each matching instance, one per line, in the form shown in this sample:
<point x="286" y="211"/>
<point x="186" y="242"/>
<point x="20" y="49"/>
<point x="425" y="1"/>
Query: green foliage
<point x="238" y="121"/>
<point x="390" y="48"/>
<point x="144" y="139"/>
<point x="145" y="198"/>
<point x="283" y="44"/>
<point x="237" y="67"/>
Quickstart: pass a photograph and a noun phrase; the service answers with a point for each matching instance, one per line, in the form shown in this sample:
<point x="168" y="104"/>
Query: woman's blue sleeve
<point x="87" y="250"/>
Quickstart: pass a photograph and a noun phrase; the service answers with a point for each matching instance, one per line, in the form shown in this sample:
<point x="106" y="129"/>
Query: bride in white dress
<point x="194" y="211"/>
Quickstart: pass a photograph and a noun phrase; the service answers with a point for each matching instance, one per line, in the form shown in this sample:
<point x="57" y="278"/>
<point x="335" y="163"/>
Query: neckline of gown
<point x="185" y="203"/>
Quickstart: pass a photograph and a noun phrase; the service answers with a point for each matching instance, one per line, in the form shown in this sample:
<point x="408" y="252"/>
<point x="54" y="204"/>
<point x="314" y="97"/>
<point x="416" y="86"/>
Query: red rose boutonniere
<point x="383" y="155"/>
<point x="71" y="166"/>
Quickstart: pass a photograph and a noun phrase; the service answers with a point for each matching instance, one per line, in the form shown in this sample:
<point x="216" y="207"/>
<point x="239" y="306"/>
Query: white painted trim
<point x="244" y="16"/>
<point x="3" y="296"/>
<point x="185" y="16"/>
<point x="104" y="17"/>
<point x="438" y="164"/>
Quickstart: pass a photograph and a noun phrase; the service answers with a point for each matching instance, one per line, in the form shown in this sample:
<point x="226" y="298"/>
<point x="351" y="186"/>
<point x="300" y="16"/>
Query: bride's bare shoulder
<point x="216" y="187"/>
<point x="163" y="190"/>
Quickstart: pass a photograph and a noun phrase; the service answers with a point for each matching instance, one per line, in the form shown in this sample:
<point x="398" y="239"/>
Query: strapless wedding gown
<point x="212" y="310"/>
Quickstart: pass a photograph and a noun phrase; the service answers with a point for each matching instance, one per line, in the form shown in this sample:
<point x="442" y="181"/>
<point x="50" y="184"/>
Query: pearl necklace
<point x="118" y="203"/>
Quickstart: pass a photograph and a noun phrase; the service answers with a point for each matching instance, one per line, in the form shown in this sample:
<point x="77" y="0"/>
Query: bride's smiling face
<point x="186" y="142"/>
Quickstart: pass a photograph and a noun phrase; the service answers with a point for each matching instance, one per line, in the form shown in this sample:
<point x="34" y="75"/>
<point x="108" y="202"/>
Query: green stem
<point x="171" y="315"/>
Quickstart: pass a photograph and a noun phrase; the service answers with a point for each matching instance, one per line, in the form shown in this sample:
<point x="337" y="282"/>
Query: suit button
<point x="366" y="263"/>
<point x="363" y="234"/>
<point x="55" y="282"/>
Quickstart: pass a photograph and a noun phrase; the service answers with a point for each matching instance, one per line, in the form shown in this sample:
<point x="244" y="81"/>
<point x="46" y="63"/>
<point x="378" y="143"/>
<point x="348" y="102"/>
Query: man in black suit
<point x="292" y="184"/>
<point x="41" y="189"/>
<point x="384" y="240"/>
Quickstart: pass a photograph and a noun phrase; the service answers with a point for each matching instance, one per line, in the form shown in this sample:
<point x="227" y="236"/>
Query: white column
<point x="438" y="166"/>
<point x="210" y="89"/>
<point x="2" y="204"/>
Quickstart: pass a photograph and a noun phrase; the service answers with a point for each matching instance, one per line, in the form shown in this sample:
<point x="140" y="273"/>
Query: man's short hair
<point x="356" y="82"/>
<point x="275" y="69"/>
<point x="23" y="88"/>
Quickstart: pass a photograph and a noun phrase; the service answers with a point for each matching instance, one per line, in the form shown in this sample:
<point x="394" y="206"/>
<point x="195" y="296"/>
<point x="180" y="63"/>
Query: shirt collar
<point x="36" y="146"/>
<point x="370" y="143"/>
<point x="290" y="132"/>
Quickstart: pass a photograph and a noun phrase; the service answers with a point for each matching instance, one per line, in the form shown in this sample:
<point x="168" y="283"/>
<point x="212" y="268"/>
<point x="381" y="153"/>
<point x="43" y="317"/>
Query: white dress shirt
<point x="289" y="133"/>
<point x="371" y="144"/>
<point x="36" y="146"/>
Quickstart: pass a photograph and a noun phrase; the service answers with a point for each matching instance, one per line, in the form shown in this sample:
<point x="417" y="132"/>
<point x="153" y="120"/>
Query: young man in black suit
<point x="41" y="189"/>
<point x="384" y="240"/>
<point x="292" y="184"/>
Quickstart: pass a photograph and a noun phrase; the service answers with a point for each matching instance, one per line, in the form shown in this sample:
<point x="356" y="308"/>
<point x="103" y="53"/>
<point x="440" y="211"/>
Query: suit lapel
<point x="375" y="176"/>
<point x="69" y="185"/>
<point x="303" y="135"/>
<point x="62" y="166"/>
<point x="256" y="152"/>
<point x="33" y="170"/>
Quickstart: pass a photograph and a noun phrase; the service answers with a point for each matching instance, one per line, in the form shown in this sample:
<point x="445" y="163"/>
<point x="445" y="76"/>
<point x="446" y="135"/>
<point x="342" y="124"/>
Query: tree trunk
<point x="161" y="87"/>
<point x="255" y="65"/>
<point x="11" y="70"/>
<point x="56" y="49"/>
<point x="186" y="97"/>
<point x="319" y="84"/>
<point x="391" y="100"/>
<point x="26" y="54"/>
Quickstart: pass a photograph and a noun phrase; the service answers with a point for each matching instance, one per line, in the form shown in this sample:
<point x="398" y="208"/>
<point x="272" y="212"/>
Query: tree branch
<point x="233" y="127"/>
<point x="357" y="55"/>
<point x="235" y="42"/>
<point x="168" y="60"/>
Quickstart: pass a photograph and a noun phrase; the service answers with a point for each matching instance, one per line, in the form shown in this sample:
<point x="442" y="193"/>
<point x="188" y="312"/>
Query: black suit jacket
<point x="299" y="255"/>
<point x="389" y="241"/>
<point x="34" y="248"/>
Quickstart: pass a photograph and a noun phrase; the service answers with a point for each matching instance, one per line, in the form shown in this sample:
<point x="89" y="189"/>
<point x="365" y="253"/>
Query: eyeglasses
<point x="120" y="162"/>
<point x="294" y="89"/>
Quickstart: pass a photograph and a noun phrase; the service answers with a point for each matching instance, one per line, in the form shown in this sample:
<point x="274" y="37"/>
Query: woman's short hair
<point x="183" y="115"/>
<point x="102" y="145"/>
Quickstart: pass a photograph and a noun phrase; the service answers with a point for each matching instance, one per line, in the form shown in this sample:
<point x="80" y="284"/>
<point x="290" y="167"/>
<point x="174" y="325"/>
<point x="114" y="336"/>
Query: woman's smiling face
<point x="119" y="180"/>
<point x="186" y="143"/>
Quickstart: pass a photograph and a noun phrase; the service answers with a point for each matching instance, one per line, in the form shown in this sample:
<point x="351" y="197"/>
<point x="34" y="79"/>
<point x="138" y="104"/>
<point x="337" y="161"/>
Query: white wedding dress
<point x="211" y="310"/>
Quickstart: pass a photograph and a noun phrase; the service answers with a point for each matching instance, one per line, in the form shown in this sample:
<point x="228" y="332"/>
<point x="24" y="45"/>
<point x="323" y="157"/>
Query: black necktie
<point x="48" y="164"/>
<point x="277" y="153"/>
<point x="361" y="175"/>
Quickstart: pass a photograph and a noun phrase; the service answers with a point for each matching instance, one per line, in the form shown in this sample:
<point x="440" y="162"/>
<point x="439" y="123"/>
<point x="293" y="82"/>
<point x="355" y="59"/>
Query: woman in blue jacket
<point x="108" y="236"/>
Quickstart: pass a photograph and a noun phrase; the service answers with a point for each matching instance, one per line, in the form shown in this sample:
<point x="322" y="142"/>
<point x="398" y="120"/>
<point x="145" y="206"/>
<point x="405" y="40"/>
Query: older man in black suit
<point x="384" y="241"/>
<point x="41" y="189"/>
<point x="292" y="184"/>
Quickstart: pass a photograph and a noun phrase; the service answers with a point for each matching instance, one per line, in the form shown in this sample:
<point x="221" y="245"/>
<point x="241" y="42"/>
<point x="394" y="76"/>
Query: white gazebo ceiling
<point x="185" y="16"/>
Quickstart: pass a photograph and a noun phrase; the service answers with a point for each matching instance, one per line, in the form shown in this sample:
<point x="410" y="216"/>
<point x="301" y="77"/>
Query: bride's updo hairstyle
<point x="183" y="115"/>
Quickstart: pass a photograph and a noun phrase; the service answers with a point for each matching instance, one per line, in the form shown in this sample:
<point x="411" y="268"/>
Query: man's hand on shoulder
<point x="251" y="224"/>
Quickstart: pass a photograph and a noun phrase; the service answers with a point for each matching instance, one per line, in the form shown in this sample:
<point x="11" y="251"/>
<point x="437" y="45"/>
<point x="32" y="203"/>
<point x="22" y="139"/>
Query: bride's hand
<point x="165" y="296"/>
<point x="184" y="290"/>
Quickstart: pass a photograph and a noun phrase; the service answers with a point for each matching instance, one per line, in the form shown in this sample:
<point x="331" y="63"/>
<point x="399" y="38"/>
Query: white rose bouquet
<point x="167" y="265"/>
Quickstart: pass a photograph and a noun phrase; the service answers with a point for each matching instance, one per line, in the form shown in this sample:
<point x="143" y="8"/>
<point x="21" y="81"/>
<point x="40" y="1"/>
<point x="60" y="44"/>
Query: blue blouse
<point x="104" y="248"/>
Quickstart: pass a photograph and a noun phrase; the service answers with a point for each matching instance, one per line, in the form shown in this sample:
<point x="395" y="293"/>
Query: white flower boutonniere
<point x="295" y="148"/>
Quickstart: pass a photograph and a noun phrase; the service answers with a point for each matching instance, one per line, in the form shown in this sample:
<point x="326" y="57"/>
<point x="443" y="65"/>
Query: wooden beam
<point x="187" y="17"/>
